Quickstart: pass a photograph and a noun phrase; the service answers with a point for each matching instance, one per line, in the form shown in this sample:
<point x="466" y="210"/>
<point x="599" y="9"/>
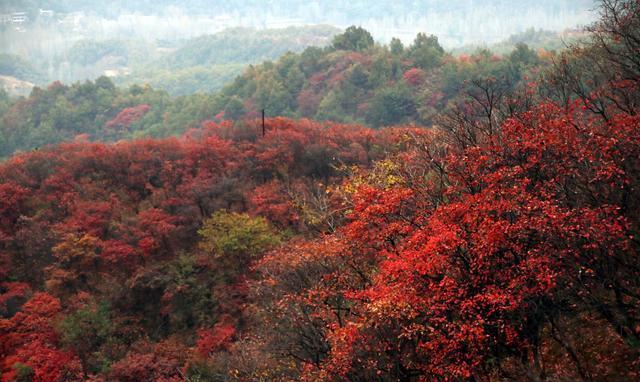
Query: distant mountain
<point x="455" y="22"/>
<point x="534" y="38"/>
<point x="247" y="45"/>
<point x="201" y="64"/>
<point x="14" y="66"/>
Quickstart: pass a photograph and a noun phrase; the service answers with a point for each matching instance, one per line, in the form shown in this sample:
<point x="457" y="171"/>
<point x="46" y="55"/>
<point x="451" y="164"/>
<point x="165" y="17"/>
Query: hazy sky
<point x="49" y="39"/>
<point x="455" y="22"/>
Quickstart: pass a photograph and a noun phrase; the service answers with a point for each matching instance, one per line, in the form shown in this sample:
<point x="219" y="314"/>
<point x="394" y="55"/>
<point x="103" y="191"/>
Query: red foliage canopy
<point x="127" y="116"/>
<point x="29" y="339"/>
<point x="512" y="257"/>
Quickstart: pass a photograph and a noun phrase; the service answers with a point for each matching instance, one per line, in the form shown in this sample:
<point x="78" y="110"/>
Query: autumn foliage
<point x="507" y="266"/>
<point x="127" y="116"/>
<point x="159" y="234"/>
<point x="501" y="244"/>
<point x="29" y="344"/>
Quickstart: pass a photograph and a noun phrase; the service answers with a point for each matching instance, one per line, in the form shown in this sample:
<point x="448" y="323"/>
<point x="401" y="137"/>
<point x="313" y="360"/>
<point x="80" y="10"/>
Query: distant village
<point x="20" y="20"/>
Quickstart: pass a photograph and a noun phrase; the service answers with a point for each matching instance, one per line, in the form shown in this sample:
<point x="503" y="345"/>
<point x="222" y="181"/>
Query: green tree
<point x="272" y="95"/>
<point x="396" y="47"/>
<point x="234" y="109"/>
<point x="85" y="331"/>
<point x="354" y="38"/>
<point x="330" y="108"/>
<point x="104" y="82"/>
<point x="426" y="52"/>
<point x="310" y="60"/>
<point x="524" y="55"/>
<point x="359" y="77"/>
<point x="189" y="283"/>
<point x="392" y="105"/>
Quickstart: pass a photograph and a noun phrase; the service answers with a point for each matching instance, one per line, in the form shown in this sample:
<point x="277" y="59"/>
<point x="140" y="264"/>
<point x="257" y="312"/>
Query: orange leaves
<point x="76" y="251"/>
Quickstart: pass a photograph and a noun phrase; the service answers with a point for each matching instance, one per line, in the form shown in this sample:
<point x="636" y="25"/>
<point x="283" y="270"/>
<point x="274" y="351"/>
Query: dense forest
<point x="353" y="80"/>
<point x="402" y="215"/>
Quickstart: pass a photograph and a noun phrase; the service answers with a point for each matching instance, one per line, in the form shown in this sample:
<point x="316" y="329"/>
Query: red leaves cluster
<point x="414" y="77"/>
<point x="215" y="339"/>
<point x="160" y="362"/>
<point x="28" y="338"/>
<point x="143" y="198"/>
<point x="11" y="294"/>
<point x="503" y="256"/>
<point x="127" y="116"/>
<point x="272" y="202"/>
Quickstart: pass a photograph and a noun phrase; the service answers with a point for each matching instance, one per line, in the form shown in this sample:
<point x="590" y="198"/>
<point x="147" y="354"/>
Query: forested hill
<point x="180" y="66"/>
<point x="207" y="63"/>
<point x="356" y="80"/>
<point x="351" y="80"/>
<point x="501" y="243"/>
<point x="246" y="45"/>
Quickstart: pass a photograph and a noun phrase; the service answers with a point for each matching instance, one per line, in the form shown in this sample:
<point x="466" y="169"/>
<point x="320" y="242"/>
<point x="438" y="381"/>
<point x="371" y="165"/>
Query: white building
<point x="19" y="17"/>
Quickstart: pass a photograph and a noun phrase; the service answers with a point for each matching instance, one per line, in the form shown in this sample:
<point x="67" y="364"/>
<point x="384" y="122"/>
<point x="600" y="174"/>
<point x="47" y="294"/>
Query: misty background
<point x="198" y="46"/>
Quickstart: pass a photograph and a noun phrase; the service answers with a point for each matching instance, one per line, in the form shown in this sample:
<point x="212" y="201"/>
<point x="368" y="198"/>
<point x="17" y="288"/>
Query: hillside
<point x="536" y="39"/>
<point x="245" y="45"/>
<point x="179" y="66"/>
<point x="353" y="80"/>
<point x="124" y="245"/>
<point x="498" y="243"/>
<point x="207" y="63"/>
<point x="14" y="66"/>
